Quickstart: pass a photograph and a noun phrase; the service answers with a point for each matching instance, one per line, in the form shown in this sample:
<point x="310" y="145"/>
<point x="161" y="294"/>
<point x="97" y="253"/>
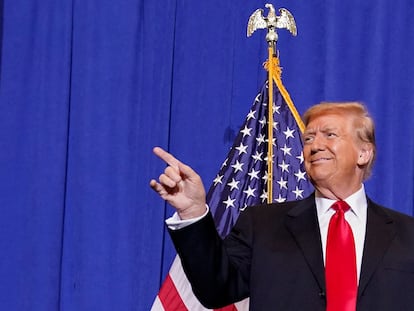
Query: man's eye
<point x="308" y="139"/>
<point x="331" y="135"/>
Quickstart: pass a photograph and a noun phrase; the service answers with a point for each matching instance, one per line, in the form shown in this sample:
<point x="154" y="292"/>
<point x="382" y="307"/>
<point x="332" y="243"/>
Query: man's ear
<point x="365" y="154"/>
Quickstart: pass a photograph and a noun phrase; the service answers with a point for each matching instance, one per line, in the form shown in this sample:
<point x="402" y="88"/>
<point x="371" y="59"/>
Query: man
<point x="277" y="254"/>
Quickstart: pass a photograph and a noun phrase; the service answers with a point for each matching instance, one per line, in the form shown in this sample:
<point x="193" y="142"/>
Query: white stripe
<point x="243" y="305"/>
<point x="157" y="305"/>
<point x="183" y="286"/>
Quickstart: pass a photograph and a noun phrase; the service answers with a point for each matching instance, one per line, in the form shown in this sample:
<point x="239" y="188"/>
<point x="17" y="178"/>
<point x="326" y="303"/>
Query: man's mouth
<point x="319" y="160"/>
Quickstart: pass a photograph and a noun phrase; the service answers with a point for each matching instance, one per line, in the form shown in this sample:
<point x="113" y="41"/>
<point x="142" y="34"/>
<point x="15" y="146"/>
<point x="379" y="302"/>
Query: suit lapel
<point x="302" y="222"/>
<point x="379" y="234"/>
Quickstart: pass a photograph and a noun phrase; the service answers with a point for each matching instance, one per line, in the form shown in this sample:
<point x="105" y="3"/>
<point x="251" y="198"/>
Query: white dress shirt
<point x="356" y="217"/>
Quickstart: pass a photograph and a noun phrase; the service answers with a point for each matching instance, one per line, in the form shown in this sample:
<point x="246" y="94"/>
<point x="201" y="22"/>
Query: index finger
<point x="166" y="157"/>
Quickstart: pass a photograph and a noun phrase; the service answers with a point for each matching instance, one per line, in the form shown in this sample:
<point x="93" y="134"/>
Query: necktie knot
<point x="340" y="206"/>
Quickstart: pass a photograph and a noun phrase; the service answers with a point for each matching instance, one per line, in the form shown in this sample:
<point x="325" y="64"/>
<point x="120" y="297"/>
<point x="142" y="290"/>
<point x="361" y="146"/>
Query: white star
<point x="289" y="133"/>
<point x="233" y="184"/>
<point x="276" y="109"/>
<point x="257" y="97"/>
<point x="218" y="180"/>
<point x="265" y="177"/>
<point x="282" y="183"/>
<point x="238" y="166"/>
<point x="254" y="174"/>
<point x="242" y="148"/>
<point x="286" y="150"/>
<point x="275" y="124"/>
<point x="257" y="156"/>
<point x="264" y="196"/>
<point x="284" y="166"/>
<point x="246" y="131"/>
<point x="251" y="115"/>
<point x="261" y="139"/>
<point x="300" y="175"/>
<point x="300" y="157"/>
<point x="298" y="192"/>
<point x="263" y="121"/>
<point x="250" y="192"/>
<point x="242" y="209"/>
<point x="229" y="202"/>
<point x="280" y="199"/>
<point x="224" y="163"/>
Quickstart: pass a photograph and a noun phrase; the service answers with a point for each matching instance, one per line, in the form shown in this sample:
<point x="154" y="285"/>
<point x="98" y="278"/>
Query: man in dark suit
<point x="278" y="255"/>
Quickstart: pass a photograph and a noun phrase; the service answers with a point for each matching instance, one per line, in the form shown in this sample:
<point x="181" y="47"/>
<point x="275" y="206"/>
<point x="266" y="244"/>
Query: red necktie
<point x="340" y="266"/>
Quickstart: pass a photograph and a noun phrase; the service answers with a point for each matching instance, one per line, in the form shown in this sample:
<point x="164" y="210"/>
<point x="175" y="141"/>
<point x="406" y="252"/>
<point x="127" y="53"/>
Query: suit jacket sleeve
<point x="215" y="280"/>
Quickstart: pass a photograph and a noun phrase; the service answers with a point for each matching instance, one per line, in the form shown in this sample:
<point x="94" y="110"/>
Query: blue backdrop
<point x="87" y="88"/>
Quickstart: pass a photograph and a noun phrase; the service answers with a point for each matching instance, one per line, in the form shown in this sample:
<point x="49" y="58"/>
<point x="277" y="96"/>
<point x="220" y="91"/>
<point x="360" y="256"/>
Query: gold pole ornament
<point x="272" y="22"/>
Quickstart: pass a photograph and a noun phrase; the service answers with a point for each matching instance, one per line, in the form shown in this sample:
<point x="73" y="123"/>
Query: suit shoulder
<point x="393" y="214"/>
<point x="265" y="210"/>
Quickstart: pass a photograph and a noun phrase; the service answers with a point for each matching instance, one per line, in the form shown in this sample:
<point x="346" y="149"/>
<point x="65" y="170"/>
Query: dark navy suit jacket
<point x="273" y="255"/>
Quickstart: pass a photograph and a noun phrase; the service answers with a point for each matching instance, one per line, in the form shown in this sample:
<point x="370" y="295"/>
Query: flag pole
<point x="271" y="22"/>
<point x="270" y="126"/>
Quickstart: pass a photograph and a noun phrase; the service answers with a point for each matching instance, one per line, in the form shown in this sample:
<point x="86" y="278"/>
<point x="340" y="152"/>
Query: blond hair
<point x="362" y="123"/>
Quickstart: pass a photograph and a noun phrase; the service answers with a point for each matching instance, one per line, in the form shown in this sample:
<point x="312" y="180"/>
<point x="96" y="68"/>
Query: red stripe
<point x="170" y="298"/>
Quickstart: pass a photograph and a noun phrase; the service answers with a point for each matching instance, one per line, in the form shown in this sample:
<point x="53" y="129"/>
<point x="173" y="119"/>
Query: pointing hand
<point x="180" y="186"/>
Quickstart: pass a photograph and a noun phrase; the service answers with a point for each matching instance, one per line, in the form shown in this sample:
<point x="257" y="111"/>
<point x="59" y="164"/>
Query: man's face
<point x="331" y="152"/>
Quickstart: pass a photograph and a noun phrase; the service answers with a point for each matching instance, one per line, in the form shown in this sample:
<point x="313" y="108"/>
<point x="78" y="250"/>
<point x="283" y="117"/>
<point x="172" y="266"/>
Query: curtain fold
<point x="34" y="108"/>
<point x="88" y="88"/>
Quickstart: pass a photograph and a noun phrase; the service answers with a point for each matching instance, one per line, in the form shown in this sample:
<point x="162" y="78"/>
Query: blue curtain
<point x="87" y="88"/>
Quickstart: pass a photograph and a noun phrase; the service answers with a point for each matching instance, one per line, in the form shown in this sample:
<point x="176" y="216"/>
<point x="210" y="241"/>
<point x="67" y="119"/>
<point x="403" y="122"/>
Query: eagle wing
<point x="256" y="21"/>
<point x="286" y="20"/>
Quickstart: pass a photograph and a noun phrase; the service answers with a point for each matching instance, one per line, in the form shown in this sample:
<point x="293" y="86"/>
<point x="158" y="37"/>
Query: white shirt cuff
<point x="175" y="223"/>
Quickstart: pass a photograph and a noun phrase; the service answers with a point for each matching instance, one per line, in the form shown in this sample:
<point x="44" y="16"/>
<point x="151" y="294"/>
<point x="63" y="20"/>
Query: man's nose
<point x="317" y="144"/>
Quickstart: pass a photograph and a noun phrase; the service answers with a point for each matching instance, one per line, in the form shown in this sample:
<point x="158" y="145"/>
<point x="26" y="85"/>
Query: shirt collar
<point x="357" y="201"/>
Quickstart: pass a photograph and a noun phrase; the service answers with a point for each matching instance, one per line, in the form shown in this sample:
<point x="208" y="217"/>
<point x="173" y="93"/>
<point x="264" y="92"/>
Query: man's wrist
<point x="175" y="222"/>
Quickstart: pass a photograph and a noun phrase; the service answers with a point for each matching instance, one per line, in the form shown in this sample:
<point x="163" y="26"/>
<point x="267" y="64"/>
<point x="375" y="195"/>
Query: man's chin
<point x="317" y="176"/>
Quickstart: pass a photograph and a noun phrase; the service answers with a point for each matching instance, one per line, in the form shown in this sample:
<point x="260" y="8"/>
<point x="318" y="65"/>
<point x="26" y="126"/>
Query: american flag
<point x="242" y="182"/>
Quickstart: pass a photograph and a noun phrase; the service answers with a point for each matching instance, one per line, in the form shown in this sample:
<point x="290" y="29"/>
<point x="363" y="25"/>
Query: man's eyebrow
<point x="309" y="131"/>
<point x="329" y="128"/>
